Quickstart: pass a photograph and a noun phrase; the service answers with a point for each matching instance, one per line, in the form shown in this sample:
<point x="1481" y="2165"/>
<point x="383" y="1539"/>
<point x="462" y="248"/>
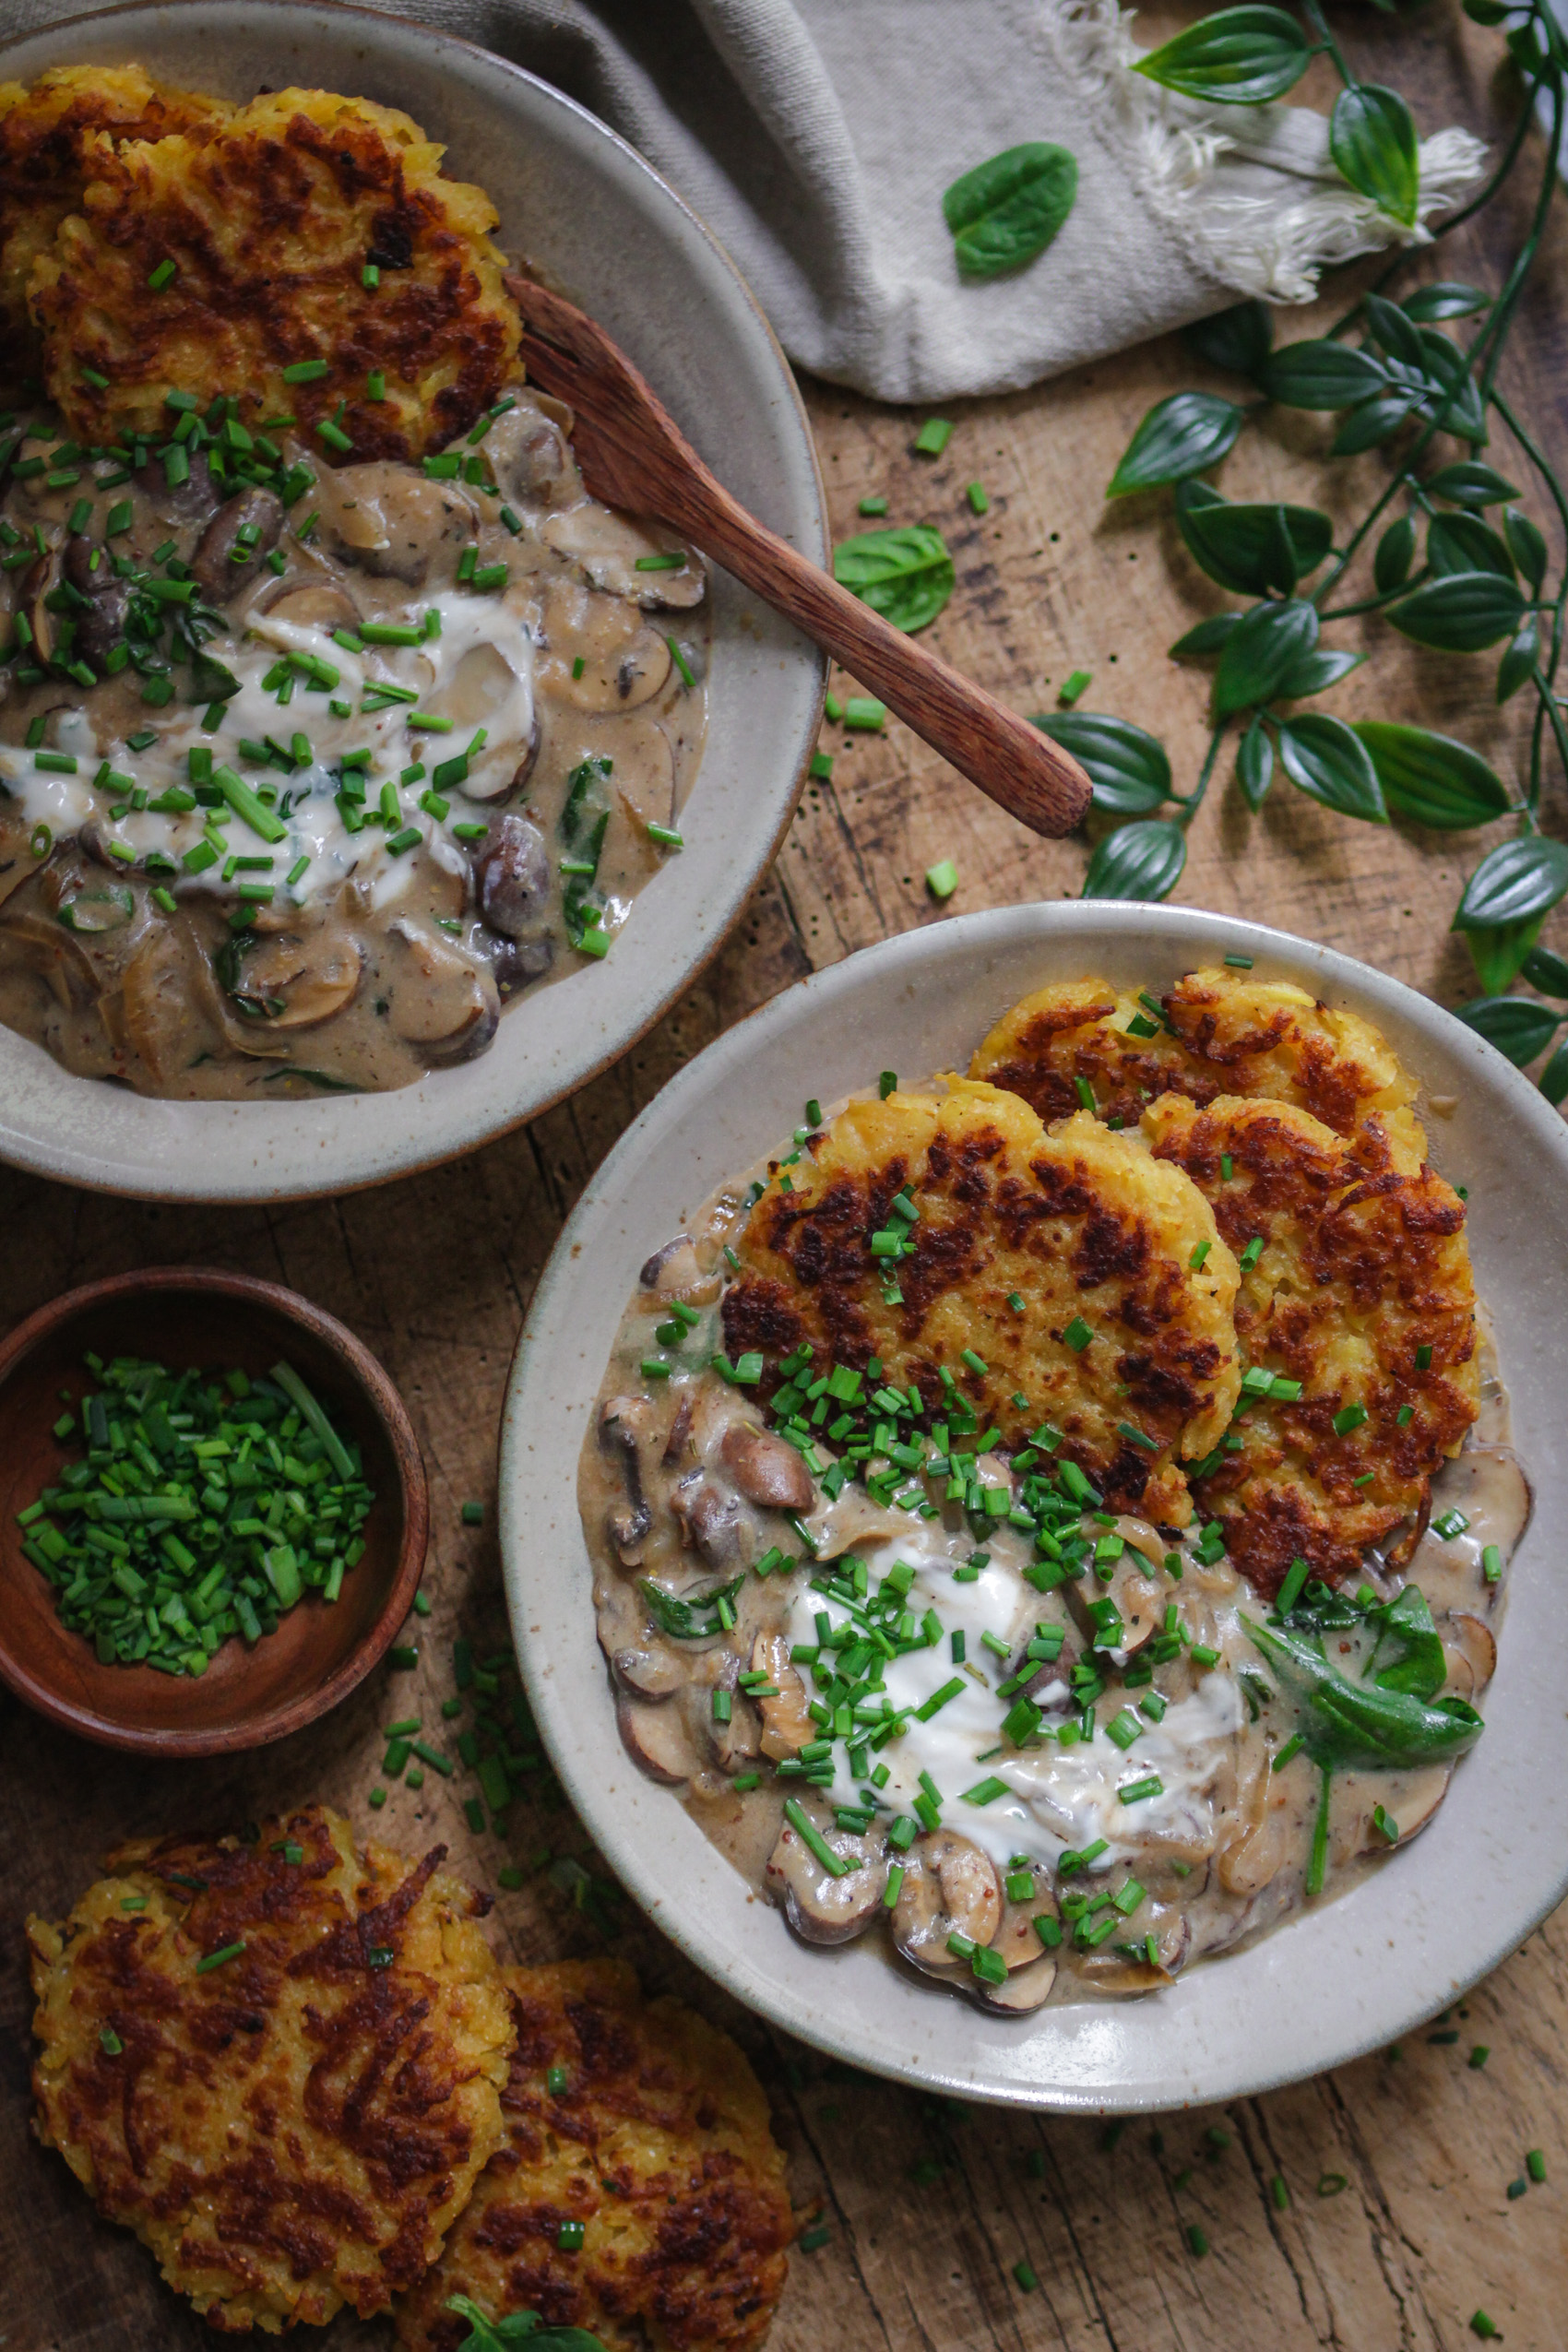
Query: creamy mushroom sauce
<point x="682" y="1483"/>
<point x="393" y="911"/>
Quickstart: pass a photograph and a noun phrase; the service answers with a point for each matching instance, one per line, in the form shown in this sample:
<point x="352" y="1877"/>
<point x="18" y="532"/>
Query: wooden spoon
<point x="634" y="456"/>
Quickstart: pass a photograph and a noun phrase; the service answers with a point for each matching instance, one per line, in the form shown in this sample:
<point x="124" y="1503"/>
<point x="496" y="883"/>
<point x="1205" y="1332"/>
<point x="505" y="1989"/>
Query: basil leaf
<point x="1238" y="340"/>
<point x="906" y="576"/>
<point x="1448" y="299"/>
<point x="1421" y="1668"/>
<point x="1518" y="663"/>
<point x="1182" y="435"/>
<point x="679" y="1618"/>
<point x="1240" y="57"/>
<point x="1208" y="637"/>
<point x="1265" y="646"/>
<point x="1431" y="780"/>
<point x="1513" y="882"/>
<point x="1006" y="212"/>
<point x="1463" y="543"/>
<point x="1446" y="366"/>
<point x="1554" y="1079"/>
<point x="1315" y="673"/>
<point x="1468" y="483"/>
<point x="1546" y="971"/>
<point x="1328" y="760"/>
<point x="1355" y="1724"/>
<point x="1254" y="764"/>
<point x="1394" y="332"/>
<point x="1517" y="1026"/>
<point x="1127" y="767"/>
<point x="1321" y="374"/>
<point x="1251" y="549"/>
<point x="517" y="2327"/>
<point x="1527" y="546"/>
<point x="1140" y="861"/>
<point x="1460" y="614"/>
<point x="1498" y="951"/>
<point x="1371" y="139"/>
<point x="1374" y="422"/>
<point x="1395" y="549"/>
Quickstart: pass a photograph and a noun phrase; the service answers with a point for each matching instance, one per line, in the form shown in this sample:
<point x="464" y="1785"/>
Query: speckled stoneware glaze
<point x="602" y="227"/>
<point x="1331" y="1984"/>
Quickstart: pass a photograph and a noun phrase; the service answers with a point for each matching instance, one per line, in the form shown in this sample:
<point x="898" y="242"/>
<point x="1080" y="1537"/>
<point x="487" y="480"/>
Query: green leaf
<point x="1421" y="1668"/>
<point x="1517" y="1026"/>
<point x="1431" y="778"/>
<point x="1527" y="546"/>
<point x="210" y="680"/>
<point x="679" y="1617"/>
<point x="1322" y="373"/>
<point x="1448" y="298"/>
<point x="1446" y="367"/>
<point x="1239" y="58"/>
<point x="906" y="576"/>
<point x="1546" y="971"/>
<point x="1354" y="1723"/>
<point x="1315" y="673"/>
<point x="1498" y="951"/>
<point x="1371" y="139"/>
<point x="1251" y="549"/>
<point x="1460" y="614"/>
<point x="518" y="2328"/>
<point x="1469" y="483"/>
<point x="1328" y="760"/>
<point x="1127" y="767"/>
<point x="1208" y="637"/>
<point x="1238" y="340"/>
<point x="1254" y="764"/>
<point x="1463" y="543"/>
<point x="1139" y="860"/>
<point x="1374" y="422"/>
<point x="1006" y="212"/>
<point x="1182" y="435"/>
<point x="1518" y="663"/>
<point x="1265" y="646"/>
<point x="1395" y="549"/>
<point x="1394" y="332"/>
<point x="1513" y="882"/>
<point x="1487" y="12"/>
<point x="1554" y="1078"/>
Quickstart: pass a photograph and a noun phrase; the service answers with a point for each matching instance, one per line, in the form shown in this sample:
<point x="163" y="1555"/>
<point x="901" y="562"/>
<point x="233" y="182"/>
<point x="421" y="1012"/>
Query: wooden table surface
<point x="930" y="2206"/>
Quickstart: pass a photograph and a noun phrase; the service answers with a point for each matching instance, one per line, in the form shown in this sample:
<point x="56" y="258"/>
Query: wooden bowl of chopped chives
<point x="213" y="1512"/>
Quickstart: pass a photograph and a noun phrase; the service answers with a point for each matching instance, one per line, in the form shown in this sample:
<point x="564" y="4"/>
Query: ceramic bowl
<point x="601" y="224"/>
<point x="1342" y="1980"/>
<point x="179" y="1316"/>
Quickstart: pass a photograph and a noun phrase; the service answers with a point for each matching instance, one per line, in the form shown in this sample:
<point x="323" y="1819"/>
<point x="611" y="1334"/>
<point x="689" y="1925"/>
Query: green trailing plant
<point x="1450" y="555"/>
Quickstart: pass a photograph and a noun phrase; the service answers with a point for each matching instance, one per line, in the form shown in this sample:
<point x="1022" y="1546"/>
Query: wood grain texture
<point x="929" y="2209"/>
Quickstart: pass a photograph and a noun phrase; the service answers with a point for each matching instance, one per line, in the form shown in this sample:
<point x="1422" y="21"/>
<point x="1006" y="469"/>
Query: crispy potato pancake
<point x="44" y="133"/>
<point x="1115" y="1330"/>
<point x="270" y="219"/>
<point x="658" y="2144"/>
<point x="1223" y="1032"/>
<point x="295" y="2126"/>
<point x="1364" y="1271"/>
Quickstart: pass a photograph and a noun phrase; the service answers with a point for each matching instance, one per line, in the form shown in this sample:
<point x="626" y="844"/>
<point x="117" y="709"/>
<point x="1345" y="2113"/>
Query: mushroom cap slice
<point x="441" y="1002"/>
<point x="1024" y="1988"/>
<point x="1016" y="1939"/>
<point x="656" y="1738"/>
<point x="320" y="604"/>
<point x="1111" y="1972"/>
<point x="606" y="547"/>
<point x="949" y="1884"/>
<point x="786" y="1723"/>
<point x="1419" y="1795"/>
<point x="648" y="1671"/>
<point x="1470" y="1648"/>
<point x="298" y="979"/>
<point x="767" y="1471"/>
<point x="1139" y="1598"/>
<point x="818" y="1906"/>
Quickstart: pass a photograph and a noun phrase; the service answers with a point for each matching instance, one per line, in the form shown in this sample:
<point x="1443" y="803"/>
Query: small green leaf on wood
<point x="1254" y="764"/>
<point x="1394" y="332"/>
<point x="1239" y="58"/>
<point x="1182" y="435"/>
<point x="1126" y="766"/>
<point x="1207" y="638"/>
<point x="1238" y="340"/>
<point x="1517" y="1026"/>
<point x="1315" y="673"/>
<point x="1527" y="547"/>
<point x="1395" y="552"/>
<point x="1431" y="780"/>
<point x="1371" y="422"/>
<point x="1251" y="549"/>
<point x="1499" y="951"/>
<point x="906" y="576"/>
<point x="1322" y="373"/>
<point x="1139" y="860"/>
<point x="1460" y="614"/>
<point x="1448" y="299"/>
<point x="1546" y="971"/>
<point x="1513" y="882"/>
<point x="1265" y="646"/>
<point x="1468" y="482"/>
<point x="1554" y="1078"/>
<point x="1448" y="368"/>
<point x="1463" y="543"/>
<point x="1371" y="139"/>
<point x="1006" y="211"/>
<point x="1329" y="761"/>
<point x="1518" y="663"/>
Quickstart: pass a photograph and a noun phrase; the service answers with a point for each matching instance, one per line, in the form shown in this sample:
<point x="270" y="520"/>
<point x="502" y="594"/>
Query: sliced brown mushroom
<point x="672" y="1268"/>
<point x="648" y="1673"/>
<point x="624" y="1427"/>
<point x="318" y="605"/>
<point x="949" y="1886"/>
<point x="625" y="662"/>
<point x="391" y="521"/>
<point x="439" y="1000"/>
<point x="656" y="1738"/>
<point x="295" y="979"/>
<point x="1024" y="1988"/>
<point x="39" y="584"/>
<point x="787" y="1722"/>
<point x="607" y="547"/>
<point x="477" y="695"/>
<point x="187" y="503"/>
<point x="767" y="1471"/>
<point x="1139" y="1599"/>
<point x="163" y="1004"/>
<point x="710" y="1520"/>
<point x="1409" y="1804"/>
<point x="511" y="873"/>
<point x="679" y="1429"/>
<point x="736" y="1741"/>
<point x="1113" y="1972"/>
<point x="1470" y="1648"/>
<point x="1017" y="1939"/>
<point x="101" y="625"/>
<point x="820" y="1908"/>
<point x="530" y="457"/>
<point x="236" y="544"/>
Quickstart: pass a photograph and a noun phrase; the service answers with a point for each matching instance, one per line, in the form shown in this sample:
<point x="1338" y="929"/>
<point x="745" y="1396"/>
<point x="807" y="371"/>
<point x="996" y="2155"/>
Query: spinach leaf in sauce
<point x="1359" y="1723"/>
<point x="1421" y="1668"/>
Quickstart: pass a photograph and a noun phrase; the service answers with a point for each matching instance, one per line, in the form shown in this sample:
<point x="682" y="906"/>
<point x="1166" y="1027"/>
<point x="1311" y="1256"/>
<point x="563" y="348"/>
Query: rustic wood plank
<point x="930" y="2206"/>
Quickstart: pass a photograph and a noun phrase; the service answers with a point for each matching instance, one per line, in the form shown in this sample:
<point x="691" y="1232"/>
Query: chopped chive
<point x="875" y="505"/>
<point x="942" y="880"/>
<point x="933" y="437"/>
<point x="1074" y="686"/>
<point x="864" y="712"/>
<point x="978" y="500"/>
<point x="687" y="677"/>
<point x="306" y="372"/>
<point x="216" y="1959"/>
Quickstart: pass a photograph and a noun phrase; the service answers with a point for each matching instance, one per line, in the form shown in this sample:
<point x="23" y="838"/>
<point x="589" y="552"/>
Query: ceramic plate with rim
<point x="586" y="210"/>
<point x="1330" y="1984"/>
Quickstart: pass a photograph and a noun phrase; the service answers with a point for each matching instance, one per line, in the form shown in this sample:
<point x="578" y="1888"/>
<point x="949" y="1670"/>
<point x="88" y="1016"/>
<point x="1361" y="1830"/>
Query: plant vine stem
<point x="1548" y="703"/>
<point x="1538" y="459"/>
<point x="1194" y="800"/>
<point x="1319" y="23"/>
<point x="1375" y="603"/>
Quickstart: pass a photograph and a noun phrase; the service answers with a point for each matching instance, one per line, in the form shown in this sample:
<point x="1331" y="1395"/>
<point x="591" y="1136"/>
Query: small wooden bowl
<point x="180" y="1316"/>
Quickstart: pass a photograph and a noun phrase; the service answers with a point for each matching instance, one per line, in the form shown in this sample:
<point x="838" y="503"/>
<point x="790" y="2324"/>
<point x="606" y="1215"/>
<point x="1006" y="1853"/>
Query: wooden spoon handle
<point x="1021" y="769"/>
